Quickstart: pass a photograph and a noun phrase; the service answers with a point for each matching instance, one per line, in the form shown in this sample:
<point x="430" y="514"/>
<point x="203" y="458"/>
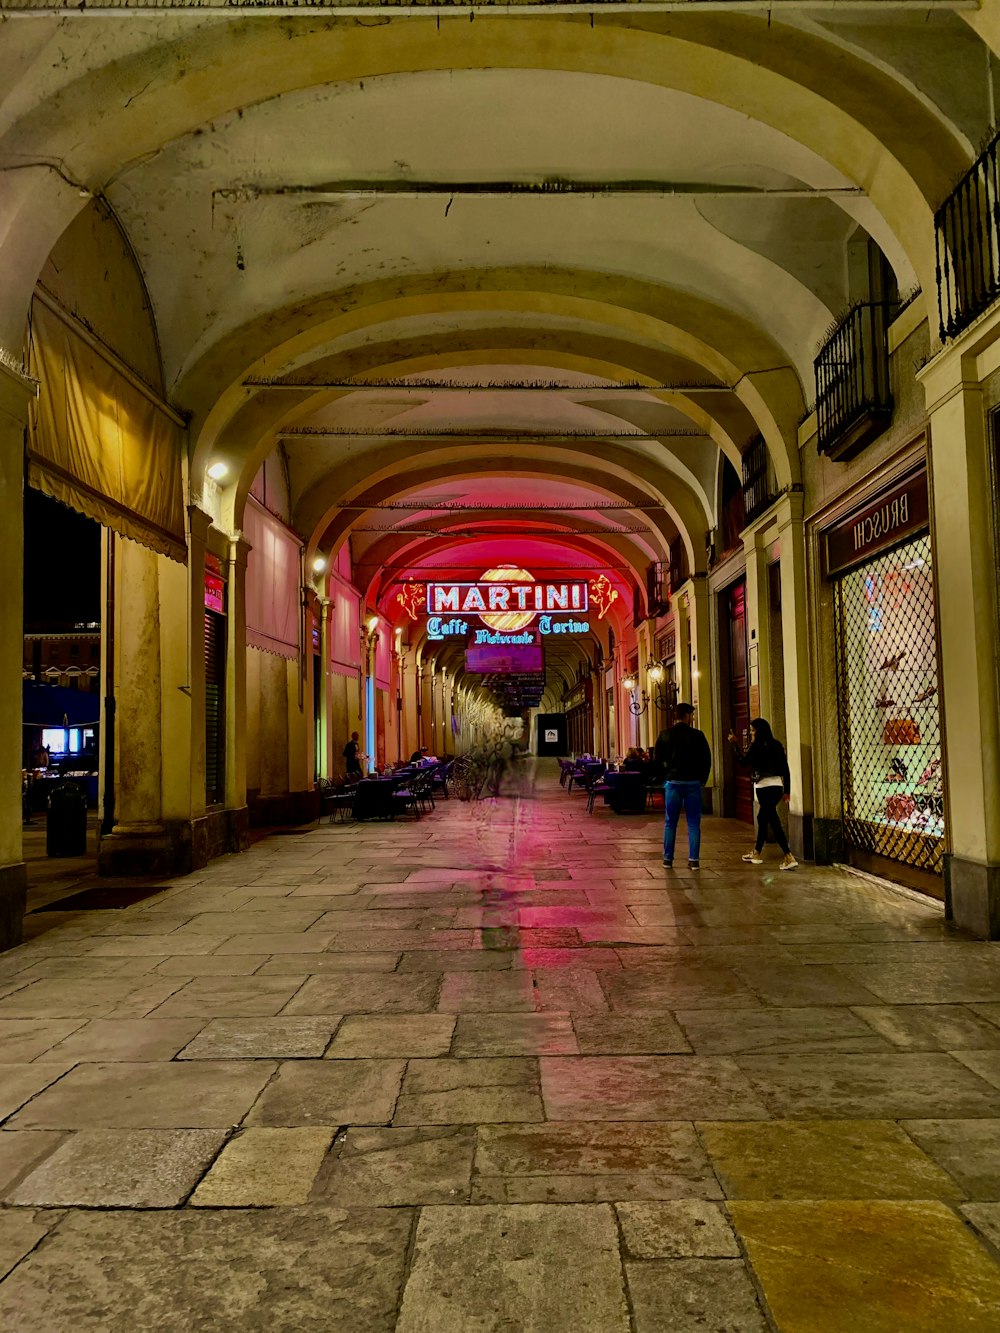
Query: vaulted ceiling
<point x="350" y="257"/>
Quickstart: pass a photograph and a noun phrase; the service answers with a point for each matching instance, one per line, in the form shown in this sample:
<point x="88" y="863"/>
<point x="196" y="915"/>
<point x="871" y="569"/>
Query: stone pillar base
<point x="13" y="900"/>
<point x="828" y="841"/>
<point x="800" y="836"/>
<point x="293" y="807"/>
<point x="972" y="891"/>
<point x="175" y="847"/>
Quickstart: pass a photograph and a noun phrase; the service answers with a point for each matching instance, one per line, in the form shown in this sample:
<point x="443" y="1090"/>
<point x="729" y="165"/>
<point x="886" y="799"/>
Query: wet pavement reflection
<point x="497" y="1069"/>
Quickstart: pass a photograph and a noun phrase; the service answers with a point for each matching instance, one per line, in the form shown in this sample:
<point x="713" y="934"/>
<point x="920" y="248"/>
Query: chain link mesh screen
<point x="890" y="730"/>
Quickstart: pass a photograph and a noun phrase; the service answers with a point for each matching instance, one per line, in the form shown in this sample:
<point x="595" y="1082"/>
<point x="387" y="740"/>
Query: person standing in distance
<point x="766" y="758"/>
<point x="687" y="762"/>
<point x="351" y="755"/>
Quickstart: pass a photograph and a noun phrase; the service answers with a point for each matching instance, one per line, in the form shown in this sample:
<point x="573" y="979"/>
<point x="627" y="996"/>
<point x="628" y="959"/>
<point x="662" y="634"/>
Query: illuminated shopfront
<point x="881" y="560"/>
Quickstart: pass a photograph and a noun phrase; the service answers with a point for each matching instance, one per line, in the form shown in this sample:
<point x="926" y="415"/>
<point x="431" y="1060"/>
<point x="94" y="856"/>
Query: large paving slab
<point x="261" y="1038"/>
<point x="647" y="1087"/>
<point x="20" y="1232"/>
<point x="261" y="1168"/>
<point x="884" y="1266"/>
<point x="138" y="1168"/>
<point x="677" y="1229"/>
<point x="969" y="1150"/>
<point x="690" y="1295"/>
<point x="591" y="1162"/>
<point x="194" y="1095"/>
<point x="825" y="1159"/>
<point x="24" y="1039"/>
<point x="907" y="1085"/>
<point x="277" y="1271"/>
<point x="400" y="1166"/>
<point x="330" y="1092"/>
<point x="461" y="1091"/>
<point x="20" y="1083"/>
<point x="537" y="1268"/>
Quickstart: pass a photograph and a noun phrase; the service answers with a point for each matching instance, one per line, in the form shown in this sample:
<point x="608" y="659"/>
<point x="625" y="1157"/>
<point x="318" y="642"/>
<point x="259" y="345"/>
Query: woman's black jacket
<point x="765" y="759"/>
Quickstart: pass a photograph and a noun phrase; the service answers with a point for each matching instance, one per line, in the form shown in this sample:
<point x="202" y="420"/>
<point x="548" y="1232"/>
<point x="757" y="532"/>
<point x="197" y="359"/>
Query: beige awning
<point x="100" y="443"/>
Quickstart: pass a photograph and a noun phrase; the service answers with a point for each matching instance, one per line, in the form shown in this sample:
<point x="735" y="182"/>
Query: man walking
<point x="687" y="762"/>
<point x="351" y="755"/>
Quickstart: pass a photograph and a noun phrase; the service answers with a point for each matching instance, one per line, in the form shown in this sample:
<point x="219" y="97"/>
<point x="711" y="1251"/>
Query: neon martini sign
<point x="511" y="603"/>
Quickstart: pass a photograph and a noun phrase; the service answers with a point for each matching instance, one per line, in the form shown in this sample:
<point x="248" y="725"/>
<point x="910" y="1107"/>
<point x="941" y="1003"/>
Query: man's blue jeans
<point x="676" y="795"/>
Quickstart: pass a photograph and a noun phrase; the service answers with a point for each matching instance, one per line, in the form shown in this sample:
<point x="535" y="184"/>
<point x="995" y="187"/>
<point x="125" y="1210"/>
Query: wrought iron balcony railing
<point x="967" y="241"/>
<point x="658" y="587"/>
<point x="853" y="395"/>
<point x="758" y="480"/>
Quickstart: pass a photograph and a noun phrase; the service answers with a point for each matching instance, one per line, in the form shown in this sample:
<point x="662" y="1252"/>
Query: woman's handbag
<point x="900" y="731"/>
<point x="899" y="806"/>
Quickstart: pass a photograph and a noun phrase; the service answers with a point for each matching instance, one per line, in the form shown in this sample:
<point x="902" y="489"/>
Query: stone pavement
<point x="498" y="1070"/>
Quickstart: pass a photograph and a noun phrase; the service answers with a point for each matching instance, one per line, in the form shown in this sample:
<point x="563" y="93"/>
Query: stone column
<point x="181" y="596"/>
<point x="299" y="751"/>
<point x="181" y="635"/>
<point x="411" y="695"/>
<point x="274" y="711"/>
<point x="643" y="683"/>
<point x="325" y="757"/>
<point x="758" y="623"/>
<point x="16" y="391"/>
<point x="682" y="623"/>
<point x="797" y="679"/>
<point x="701" y="656"/>
<point x="427" y="704"/>
<point x="139" y="843"/>
<point x="236" y="697"/>
<point x="963" y="498"/>
<point x="444" y="743"/>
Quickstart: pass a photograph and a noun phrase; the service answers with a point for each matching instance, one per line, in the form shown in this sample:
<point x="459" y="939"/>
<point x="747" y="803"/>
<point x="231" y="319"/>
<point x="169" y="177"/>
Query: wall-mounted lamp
<point x="635" y="706"/>
<point x="664" y="691"/>
<point x="319" y="564"/>
<point x="218" y="471"/>
<point x="372" y="624"/>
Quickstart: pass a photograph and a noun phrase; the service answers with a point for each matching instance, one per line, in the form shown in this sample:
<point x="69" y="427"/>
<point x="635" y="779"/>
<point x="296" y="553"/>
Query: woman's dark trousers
<point x="768" y="798"/>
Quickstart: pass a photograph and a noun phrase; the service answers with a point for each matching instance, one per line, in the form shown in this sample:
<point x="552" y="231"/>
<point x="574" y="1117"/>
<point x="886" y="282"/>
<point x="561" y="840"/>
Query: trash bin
<point x="66" y="825"/>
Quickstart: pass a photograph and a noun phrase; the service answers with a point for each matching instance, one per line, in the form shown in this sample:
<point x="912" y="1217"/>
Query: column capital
<point x="16" y="390"/>
<point x="961" y="364"/>
<point x="239" y="549"/>
<point x="200" y="522"/>
<point x="789" y="509"/>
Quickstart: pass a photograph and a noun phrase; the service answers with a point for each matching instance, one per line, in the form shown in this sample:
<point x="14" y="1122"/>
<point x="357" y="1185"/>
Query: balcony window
<point x="853" y="398"/>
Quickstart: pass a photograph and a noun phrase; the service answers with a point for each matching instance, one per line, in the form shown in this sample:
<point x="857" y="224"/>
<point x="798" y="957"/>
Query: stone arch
<point x="725" y="346"/>
<point x="330" y="526"/>
<point x="833" y="111"/>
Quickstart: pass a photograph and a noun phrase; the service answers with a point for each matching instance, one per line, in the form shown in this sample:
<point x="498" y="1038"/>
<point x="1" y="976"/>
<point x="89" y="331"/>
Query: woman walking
<point x="766" y="759"/>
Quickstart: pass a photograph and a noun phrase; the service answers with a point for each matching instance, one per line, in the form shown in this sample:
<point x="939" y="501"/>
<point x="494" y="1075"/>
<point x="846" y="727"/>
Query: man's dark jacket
<point x="686" y="756"/>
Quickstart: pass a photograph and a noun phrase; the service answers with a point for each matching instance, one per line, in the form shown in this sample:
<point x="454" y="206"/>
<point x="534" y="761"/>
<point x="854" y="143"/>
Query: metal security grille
<point x="890" y="729"/>
<point x="215" y="703"/>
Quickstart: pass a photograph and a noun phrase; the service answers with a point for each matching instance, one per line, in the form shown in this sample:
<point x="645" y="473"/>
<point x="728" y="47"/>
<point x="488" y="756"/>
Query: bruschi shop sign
<point x="511" y="603"/>
<point x="897" y="513"/>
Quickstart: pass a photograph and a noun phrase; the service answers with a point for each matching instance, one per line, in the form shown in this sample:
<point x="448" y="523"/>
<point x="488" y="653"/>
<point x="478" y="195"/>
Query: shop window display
<point x="890" y="732"/>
